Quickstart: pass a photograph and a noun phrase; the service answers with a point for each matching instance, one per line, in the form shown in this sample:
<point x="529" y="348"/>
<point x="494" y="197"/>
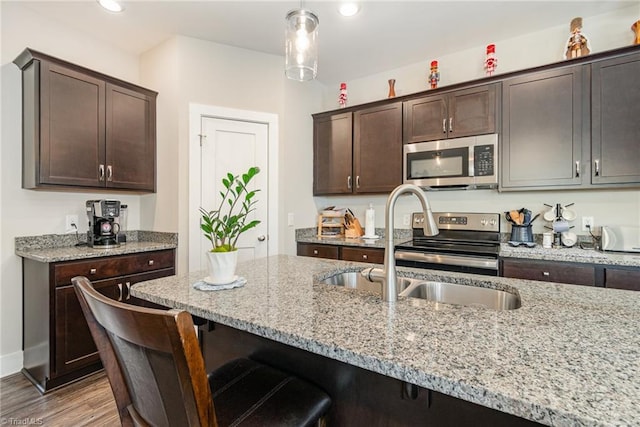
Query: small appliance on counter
<point x="621" y="238"/>
<point x="103" y="223"/>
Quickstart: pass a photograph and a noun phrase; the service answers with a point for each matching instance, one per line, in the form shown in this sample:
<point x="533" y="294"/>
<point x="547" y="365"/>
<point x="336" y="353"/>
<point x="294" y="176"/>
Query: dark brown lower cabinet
<point x="549" y="271"/>
<point x="346" y="253"/>
<point x="619" y="278"/>
<point x="57" y="344"/>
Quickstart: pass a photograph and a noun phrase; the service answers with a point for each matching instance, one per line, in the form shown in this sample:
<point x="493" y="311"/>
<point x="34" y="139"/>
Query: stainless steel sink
<point x="452" y="293"/>
<point x="449" y="293"/>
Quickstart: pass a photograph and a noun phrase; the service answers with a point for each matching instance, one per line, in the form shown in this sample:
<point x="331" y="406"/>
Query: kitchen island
<point x="569" y="356"/>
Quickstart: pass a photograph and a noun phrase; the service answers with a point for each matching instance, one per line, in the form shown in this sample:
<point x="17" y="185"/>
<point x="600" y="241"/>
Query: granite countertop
<point x="573" y="254"/>
<point x="569" y="356"/>
<point x="55" y="248"/>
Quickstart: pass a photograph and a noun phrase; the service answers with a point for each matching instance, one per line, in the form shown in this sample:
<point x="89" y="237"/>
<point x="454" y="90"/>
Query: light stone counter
<point x="570" y="356"/>
<point x="573" y="254"/>
<point x="55" y="248"/>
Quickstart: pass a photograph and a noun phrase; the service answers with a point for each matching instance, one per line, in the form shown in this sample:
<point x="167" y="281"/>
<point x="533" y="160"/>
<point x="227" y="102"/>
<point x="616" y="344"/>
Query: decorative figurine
<point x="434" y="76"/>
<point x="636" y="29"/>
<point x="491" y="62"/>
<point x="578" y="44"/>
<point x="392" y="89"/>
<point x="342" y="98"/>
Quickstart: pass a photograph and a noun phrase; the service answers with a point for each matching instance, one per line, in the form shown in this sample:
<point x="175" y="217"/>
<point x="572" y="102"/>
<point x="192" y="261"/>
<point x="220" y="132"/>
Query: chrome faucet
<point x="387" y="277"/>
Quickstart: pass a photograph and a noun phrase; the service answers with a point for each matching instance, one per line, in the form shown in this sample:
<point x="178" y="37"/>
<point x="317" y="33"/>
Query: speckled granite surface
<point x="573" y="254"/>
<point x="60" y="247"/>
<point x="570" y="356"/>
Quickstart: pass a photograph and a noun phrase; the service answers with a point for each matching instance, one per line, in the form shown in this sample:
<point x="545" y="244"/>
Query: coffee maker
<point x="103" y="225"/>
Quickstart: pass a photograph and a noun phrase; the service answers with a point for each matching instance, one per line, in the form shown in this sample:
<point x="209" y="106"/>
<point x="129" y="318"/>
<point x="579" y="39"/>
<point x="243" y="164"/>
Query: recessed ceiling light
<point x="349" y="9"/>
<point x="111" y="5"/>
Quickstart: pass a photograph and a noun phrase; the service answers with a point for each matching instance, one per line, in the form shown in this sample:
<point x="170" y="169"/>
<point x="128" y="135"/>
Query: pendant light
<point x="301" y="45"/>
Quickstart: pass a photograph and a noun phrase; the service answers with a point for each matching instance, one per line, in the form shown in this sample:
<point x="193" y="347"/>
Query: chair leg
<point x="322" y="422"/>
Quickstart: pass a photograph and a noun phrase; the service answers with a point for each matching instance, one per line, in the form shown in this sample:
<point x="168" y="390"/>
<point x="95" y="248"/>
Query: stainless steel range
<point x="467" y="242"/>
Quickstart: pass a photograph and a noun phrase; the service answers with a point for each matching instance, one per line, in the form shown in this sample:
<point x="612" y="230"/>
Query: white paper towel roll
<point x="370" y="221"/>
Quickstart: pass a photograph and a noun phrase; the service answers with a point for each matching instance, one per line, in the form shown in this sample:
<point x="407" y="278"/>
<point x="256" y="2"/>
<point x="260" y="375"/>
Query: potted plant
<point x="224" y="225"/>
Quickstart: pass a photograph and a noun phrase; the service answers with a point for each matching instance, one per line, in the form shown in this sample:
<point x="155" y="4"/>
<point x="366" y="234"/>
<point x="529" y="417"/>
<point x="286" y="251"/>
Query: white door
<point x="233" y="146"/>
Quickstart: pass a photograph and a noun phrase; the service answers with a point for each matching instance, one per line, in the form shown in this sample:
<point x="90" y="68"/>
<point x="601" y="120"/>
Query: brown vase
<point x="392" y="90"/>
<point x="636" y="29"/>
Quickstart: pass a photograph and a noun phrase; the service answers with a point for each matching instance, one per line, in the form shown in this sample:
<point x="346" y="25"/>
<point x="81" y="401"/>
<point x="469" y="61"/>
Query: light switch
<point x="290" y="219"/>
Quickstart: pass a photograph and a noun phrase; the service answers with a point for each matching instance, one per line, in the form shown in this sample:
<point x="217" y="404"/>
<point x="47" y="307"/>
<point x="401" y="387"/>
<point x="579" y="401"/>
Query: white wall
<point x="28" y="212"/>
<point x="605" y="32"/>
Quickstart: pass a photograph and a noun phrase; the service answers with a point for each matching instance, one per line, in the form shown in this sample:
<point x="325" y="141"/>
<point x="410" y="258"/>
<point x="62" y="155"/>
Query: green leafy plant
<point x="223" y="226"/>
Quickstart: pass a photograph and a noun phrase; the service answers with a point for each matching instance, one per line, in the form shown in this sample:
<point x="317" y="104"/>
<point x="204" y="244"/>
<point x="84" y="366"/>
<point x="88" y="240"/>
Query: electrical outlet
<point x="587" y="220"/>
<point x="406" y="219"/>
<point x="69" y="222"/>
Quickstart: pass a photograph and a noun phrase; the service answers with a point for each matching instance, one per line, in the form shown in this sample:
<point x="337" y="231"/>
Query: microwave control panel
<point x="483" y="160"/>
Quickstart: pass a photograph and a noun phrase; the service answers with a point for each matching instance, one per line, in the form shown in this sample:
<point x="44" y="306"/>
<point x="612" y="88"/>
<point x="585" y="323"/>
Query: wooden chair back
<point x="152" y="359"/>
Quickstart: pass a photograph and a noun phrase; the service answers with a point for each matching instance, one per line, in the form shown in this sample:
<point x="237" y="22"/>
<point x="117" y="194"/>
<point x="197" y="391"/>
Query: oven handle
<point x="448" y="259"/>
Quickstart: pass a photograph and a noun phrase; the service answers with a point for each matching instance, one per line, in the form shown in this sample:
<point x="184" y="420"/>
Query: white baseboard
<point x="10" y="363"/>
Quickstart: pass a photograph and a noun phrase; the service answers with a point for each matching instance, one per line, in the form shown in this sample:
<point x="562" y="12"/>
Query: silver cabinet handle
<point x="349" y="182"/>
<point x="262" y="238"/>
<point x="444" y="125"/>
<point x="597" y="167"/>
<point x="109" y="173"/>
<point x="545" y="273"/>
<point x="315" y="252"/>
<point x="128" y="284"/>
<point x="150" y="262"/>
<point x="357" y="181"/>
<point x="93" y="271"/>
<point x="101" y="173"/>
<point x="364" y="256"/>
<point x="120" y="289"/>
<point x="577" y="168"/>
<point x="450" y="124"/>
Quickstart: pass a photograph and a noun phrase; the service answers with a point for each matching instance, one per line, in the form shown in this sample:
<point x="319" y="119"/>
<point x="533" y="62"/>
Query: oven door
<point x="462" y="263"/>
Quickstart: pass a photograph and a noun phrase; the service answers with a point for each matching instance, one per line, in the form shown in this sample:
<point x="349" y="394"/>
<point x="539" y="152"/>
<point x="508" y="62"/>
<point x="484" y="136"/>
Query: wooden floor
<point x="88" y="402"/>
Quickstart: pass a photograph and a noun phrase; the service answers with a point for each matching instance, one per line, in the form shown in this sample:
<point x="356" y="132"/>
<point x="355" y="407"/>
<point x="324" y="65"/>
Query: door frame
<point x="196" y="112"/>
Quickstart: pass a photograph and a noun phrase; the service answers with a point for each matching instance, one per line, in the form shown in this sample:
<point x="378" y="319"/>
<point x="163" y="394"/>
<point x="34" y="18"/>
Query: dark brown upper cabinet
<point x="542" y="129"/>
<point x="454" y="114"/>
<point x="83" y="129"/>
<point x="359" y="151"/>
<point x="615" y="121"/>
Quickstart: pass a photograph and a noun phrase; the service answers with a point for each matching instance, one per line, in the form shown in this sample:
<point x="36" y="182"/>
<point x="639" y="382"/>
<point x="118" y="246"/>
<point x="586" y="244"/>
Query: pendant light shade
<point x="301" y="45"/>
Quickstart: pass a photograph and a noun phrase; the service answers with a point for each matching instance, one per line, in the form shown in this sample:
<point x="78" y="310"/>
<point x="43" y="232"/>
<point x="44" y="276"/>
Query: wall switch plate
<point x="587" y="220"/>
<point x="406" y="219"/>
<point x="69" y="222"/>
<point x="290" y="219"/>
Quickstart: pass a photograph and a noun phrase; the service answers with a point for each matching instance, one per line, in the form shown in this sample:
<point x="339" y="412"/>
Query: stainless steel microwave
<point x="459" y="163"/>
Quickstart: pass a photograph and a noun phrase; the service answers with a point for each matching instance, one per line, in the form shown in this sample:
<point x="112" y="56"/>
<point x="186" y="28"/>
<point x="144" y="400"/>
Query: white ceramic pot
<point x="222" y="267"/>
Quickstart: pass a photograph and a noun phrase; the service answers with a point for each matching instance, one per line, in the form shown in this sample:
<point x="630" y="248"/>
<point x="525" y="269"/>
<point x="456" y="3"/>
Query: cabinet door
<point x="472" y="111"/>
<point x="615" y="121"/>
<point x="425" y="119"/>
<point x="377" y="148"/>
<point x="130" y="139"/>
<point x="72" y="124"/>
<point x="332" y="154"/>
<point x="546" y="271"/>
<point x="318" y="251"/>
<point x="542" y="129"/>
<point x="74" y="346"/>
<point x="619" y="278"/>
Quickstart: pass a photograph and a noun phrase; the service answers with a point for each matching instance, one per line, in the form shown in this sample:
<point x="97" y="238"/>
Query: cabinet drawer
<point x="622" y="279"/>
<point x="549" y="272"/>
<point x="102" y="268"/>
<point x="363" y="255"/>
<point x="318" y="251"/>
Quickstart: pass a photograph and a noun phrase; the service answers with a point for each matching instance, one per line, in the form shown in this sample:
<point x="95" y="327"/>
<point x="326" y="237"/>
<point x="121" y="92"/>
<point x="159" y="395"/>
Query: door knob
<point x="262" y="238"/>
